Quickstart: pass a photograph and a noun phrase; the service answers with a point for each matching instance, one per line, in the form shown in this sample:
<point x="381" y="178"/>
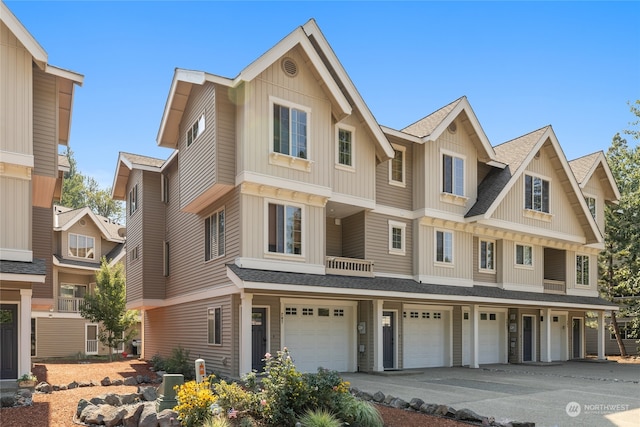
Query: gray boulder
<point x="522" y="424"/>
<point x="416" y="403"/>
<point x="98" y="400"/>
<point x="72" y="385"/>
<point x="84" y="384"/>
<point x="130" y="381"/>
<point x="428" y="408"/>
<point x="82" y="403"/>
<point x="106" y="382"/>
<point x="113" y="416"/>
<point x="7" y="401"/>
<point x="399" y="403"/>
<point x="468" y="415"/>
<point x="117" y="382"/>
<point x="378" y="397"/>
<point x="168" y="418"/>
<point x="148" y="417"/>
<point x="93" y="414"/>
<point x="132" y="417"/>
<point x="113" y="399"/>
<point x="445" y="411"/>
<point x="43" y="387"/>
<point x="148" y="393"/>
<point x="388" y="399"/>
<point x="365" y="396"/>
<point x="128" y="399"/>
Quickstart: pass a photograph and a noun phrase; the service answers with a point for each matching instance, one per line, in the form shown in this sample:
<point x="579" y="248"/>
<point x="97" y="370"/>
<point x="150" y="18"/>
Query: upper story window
<point x="284" y="229"/>
<point x="444" y="246"/>
<point x="452" y="175"/>
<point x="397" y="237"/>
<point x="214" y="325"/>
<point x="290" y="127"/>
<point x="133" y="200"/>
<point x="133" y="254"/>
<point x="536" y="194"/>
<point x="214" y="235"/>
<point x="524" y="255"/>
<point x="81" y="246"/>
<point x="591" y="203"/>
<point x="397" y="166"/>
<point x="195" y="130"/>
<point x="487" y="255"/>
<point x="345" y="146"/>
<point x="582" y="270"/>
<point x="73" y="291"/>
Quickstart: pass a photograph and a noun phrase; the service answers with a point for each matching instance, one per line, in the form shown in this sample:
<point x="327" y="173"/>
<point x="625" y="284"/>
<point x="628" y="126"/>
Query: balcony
<point x="348" y="266"/>
<point x="69" y="304"/>
<point x="555" y="286"/>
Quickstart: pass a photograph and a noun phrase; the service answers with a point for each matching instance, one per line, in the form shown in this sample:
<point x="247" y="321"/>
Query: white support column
<point x="24" y="332"/>
<point x="141" y="346"/>
<point x="601" y="335"/>
<point x="545" y="355"/>
<point x="376" y="328"/>
<point x="474" y="317"/>
<point x="245" y="333"/>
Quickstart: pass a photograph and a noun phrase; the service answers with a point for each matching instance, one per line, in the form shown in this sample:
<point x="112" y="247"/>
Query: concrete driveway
<point x="599" y="394"/>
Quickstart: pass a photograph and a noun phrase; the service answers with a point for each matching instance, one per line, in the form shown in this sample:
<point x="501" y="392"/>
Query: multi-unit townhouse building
<point x="80" y="240"/>
<point x="35" y="118"/>
<point x="286" y="216"/>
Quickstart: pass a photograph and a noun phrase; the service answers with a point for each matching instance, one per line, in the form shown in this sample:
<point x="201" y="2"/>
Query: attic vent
<point x="537" y="156"/>
<point x="289" y="67"/>
<point x="82" y="222"/>
<point x="453" y="127"/>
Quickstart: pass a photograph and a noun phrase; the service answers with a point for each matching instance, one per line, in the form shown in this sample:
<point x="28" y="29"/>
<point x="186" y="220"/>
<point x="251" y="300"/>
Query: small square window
<point x="323" y="312"/>
<point x="555" y="319"/>
<point x="437" y="315"/>
<point x="492" y="316"/>
<point x="414" y="315"/>
<point x="465" y="316"/>
<point x="483" y="316"/>
<point x="338" y="312"/>
<point x="291" y="311"/>
<point x="307" y="311"/>
<point x="426" y="315"/>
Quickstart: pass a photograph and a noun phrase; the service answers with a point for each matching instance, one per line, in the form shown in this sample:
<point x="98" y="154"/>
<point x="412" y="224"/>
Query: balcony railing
<point x="349" y="266"/>
<point x="69" y="304"/>
<point x="92" y="347"/>
<point x="555" y="286"/>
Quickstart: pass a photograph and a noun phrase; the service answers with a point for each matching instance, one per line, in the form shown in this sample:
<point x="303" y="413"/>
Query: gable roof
<point x="337" y="85"/>
<point x="430" y="128"/>
<point x="586" y="166"/>
<point x="126" y="163"/>
<point x="65" y="218"/>
<point x="518" y="153"/>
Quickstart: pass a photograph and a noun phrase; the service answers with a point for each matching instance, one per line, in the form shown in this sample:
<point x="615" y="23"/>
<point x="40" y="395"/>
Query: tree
<point x="620" y="261"/>
<point x="79" y="191"/>
<point x="107" y="306"/>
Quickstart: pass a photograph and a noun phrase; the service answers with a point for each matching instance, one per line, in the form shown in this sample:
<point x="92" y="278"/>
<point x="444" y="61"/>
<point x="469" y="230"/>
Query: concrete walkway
<point x="562" y="394"/>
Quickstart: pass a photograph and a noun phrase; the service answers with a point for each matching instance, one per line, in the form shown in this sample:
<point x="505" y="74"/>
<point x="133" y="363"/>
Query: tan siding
<point x="16" y="86"/>
<point x="135" y="285"/>
<point x="421" y="177"/>
<point x="15" y="217"/>
<point x="393" y="195"/>
<point x="457" y="335"/>
<point x="334" y="238"/>
<point x="90" y="230"/>
<point x="593" y="188"/>
<point x="517" y="275"/>
<point x="398" y="307"/>
<point x="353" y="243"/>
<point x="151" y="255"/>
<point x="611" y="347"/>
<point x="42" y="236"/>
<point x="483" y="276"/>
<point x="225" y="114"/>
<point x="50" y="342"/>
<point x="462" y="267"/>
<point x="45" y="147"/>
<point x="377" y="245"/>
<point x="365" y="314"/>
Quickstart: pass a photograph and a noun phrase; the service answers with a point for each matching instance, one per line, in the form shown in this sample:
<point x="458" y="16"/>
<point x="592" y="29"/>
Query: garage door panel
<point x="491" y="337"/>
<point x="425" y="338"/>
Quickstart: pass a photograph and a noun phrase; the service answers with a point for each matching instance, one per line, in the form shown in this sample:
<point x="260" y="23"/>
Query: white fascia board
<point x="169" y="160"/>
<point x="602" y="160"/>
<point x="65" y="74"/>
<point x="97" y="221"/>
<point x="533" y="231"/>
<point x="497" y="164"/>
<point x="57" y="263"/>
<point x="401" y="135"/>
<point x="219" y="80"/>
<point x="348" y="199"/>
<point x="311" y="28"/>
<point x="14" y="277"/>
<point x="15" y="26"/>
<point x="20" y="159"/>
<point x="20" y="255"/>
<point x="287" y="184"/>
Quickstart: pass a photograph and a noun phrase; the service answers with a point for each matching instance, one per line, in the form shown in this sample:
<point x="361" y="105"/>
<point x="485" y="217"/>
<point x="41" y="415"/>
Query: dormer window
<point x="452" y="175"/>
<point x="195" y="130"/>
<point x="591" y="203"/>
<point x="345" y="153"/>
<point x="81" y="246"/>
<point x="290" y="130"/>
<point x="397" y="166"/>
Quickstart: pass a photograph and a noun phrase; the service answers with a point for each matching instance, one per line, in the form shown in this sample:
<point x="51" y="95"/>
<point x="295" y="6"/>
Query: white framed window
<point x="397" y="166"/>
<point x="133" y="199"/>
<point x="214" y="325"/>
<point x="487" y="254"/>
<point x="452" y="174"/>
<point x="444" y="246"/>
<point x="524" y="255"/>
<point x="214" y="236"/>
<point x="284" y="228"/>
<point x="290" y="124"/>
<point x="582" y="270"/>
<point x="195" y="130"/>
<point x="81" y="246"/>
<point x="165" y="259"/>
<point x="626" y="331"/>
<point x="591" y="203"/>
<point x="72" y="291"/>
<point x="536" y="193"/>
<point x="345" y="147"/>
<point x="133" y="254"/>
<point x="397" y="237"/>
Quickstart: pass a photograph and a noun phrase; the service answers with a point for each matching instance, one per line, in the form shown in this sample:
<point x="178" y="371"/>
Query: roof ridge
<point x="432" y="113"/>
<point x="522" y="136"/>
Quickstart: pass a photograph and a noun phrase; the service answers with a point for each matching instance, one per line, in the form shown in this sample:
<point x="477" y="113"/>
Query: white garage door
<point x="320" y="335"/>
<point x="426" y="333"/>
<point x="491" y="338"/>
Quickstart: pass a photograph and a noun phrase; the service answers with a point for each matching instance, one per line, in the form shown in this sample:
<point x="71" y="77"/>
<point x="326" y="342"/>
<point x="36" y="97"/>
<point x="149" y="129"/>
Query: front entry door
<point x="527" y="339"/>
<point x="8" y="341"/>
<point x="388" y="340"/>
<point x="577" y="338"/>
<point x="258" y="338"/>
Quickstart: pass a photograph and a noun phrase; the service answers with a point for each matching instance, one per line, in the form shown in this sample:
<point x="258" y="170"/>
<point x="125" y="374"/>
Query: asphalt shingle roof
<point x="489" y="189"/>
<point x="581" y="166"/>
<point x="143" y="160"/>
<point x="426" y="125"/>
<point x="36" y="267"/>
<point x="515" y="151"/>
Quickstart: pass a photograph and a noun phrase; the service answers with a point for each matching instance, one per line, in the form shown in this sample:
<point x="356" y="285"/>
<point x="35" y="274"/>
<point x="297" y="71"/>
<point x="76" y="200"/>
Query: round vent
<point x="289" y="67"/>
<point x="82" y="222"/>
<point x="453" y="127"/>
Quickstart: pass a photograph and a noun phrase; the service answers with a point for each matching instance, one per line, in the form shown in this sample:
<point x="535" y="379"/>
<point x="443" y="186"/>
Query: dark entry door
<point x="388" y="340"/>
<point x="577" y="338"/>
<point x="8" y="341"/>
<point x="527" y="339"/>
<point x="259" y="337"/>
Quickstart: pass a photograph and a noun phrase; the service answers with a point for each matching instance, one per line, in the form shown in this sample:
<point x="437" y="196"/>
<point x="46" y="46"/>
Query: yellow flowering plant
<point x="194" y="402"/>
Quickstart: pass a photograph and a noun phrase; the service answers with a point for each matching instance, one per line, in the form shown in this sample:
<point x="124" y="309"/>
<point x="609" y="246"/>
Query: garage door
<point x="425" y="335"/>
<point x="320" y="335"/>
<point x="491" y="337"/>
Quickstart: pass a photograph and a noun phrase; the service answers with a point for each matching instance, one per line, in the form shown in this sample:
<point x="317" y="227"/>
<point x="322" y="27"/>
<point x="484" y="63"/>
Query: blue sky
<point x="522" y="65"/>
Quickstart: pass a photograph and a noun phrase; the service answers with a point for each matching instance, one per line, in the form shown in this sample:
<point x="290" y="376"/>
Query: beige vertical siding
<point x="16" y="86"/>
<point x="377" y="245"/>
<point x="582" y="316"/>
<point x="462" y="254"/>
<point x="593" y="188"/>
<point x="334" y="238"/>
<point x="163" y="333"/>
<point x="365" y="314"/>
<point x="151" y="255"/>
<point x="353" y="231"/>
<point x="610" y="344"/>
<point x="15" y="217"/>
<point x="42" y="244"/>
<point x="225" y="115"/>
<point x="457" y="335"/>
<point x="45" y="119"/>
<point x="421" y="176"/>
<point x="135" y="285"/>
<point x="274" y="327"/>
<point x="393" y="195"/>
<point x="483" y="276"/>
<point x="516" y="275"/>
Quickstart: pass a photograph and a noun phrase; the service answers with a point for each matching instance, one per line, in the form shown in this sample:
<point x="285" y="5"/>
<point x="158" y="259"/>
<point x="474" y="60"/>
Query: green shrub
<point x="179" y="363"/>
<point x="319" y="418"/>
<point x="231" y="395"/>
<point x="158" y="363"/>
<point x="366" y="414"/>
<point x="327" y="389"/>
<point x="216" y="421"/>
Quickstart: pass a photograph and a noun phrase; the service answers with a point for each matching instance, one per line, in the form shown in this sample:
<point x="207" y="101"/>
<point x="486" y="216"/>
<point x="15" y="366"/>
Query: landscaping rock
<point x="445" y="411"/>
<point x="378" y="397"/>
<point x="132" y="417"/>
<point x="399" y="404"/>
<point x="98" y="400"/>
<point x="84" y="384"/>
<point x="522" y="424"/>
<point x="117" y="382"/>
<point x="388" y="399"/>
<point x="72" y="385"/>
<point x="113" y="399"/>
<point x="63" y="387"/>
<point x="43" y="387"/>
<point x="113" y="416"/>
<point x="130" y="381"/>
<point x="128" y="399"/>
<point x="468" y="415"/>
<point x="92" y="414"/>
<point x="81" y="405"/>
<point x="149" y="417"/>
<point x="148" y="393"/>
<point x="416" y="403"/>
<point x="365" y="396"/>
<point x="168" y="418"/>
<point x="106" y="382"/>
<point x="7" y="401"/>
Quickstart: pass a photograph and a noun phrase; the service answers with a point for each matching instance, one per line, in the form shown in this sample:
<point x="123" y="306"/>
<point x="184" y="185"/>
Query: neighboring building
<point x="35" y="118"/>
<point x="611" y="347"/>
<point x="80" y="240"/>
<point x="287" y="216"/>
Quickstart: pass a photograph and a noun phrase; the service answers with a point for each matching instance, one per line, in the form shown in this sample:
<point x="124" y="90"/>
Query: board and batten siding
<point x="45" y="119"/>
<point x="255" y="138"/>
<point x="135" y="285"/>
<point x="225" y="116"/>
<point x="461" y="268"/>
<point x="16" y="86"/>
<point x="15" y="217"/>
<point x="365" y="358"/>
<point x="456" y="324"/>
<point x="513" y="274"/>
<point x="185" y="325"/>
<point x="480" y="275"/>
<point x="42" y="245"/>
<point x="394" y="195"/>
<point x="593" y="188"/>
<point x="377" y="245"/>
<point x="153" y="223"/>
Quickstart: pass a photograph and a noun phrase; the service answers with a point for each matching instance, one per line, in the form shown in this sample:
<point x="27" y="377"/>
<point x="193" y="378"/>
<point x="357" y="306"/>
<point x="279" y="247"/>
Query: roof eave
<point x="37" y="52"/>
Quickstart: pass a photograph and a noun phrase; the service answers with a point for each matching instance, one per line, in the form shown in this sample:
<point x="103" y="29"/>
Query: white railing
<point x="69" y="304"/>
<point x="349" y="266"/>
<point x="555" y="286"/>
<point x="92" y="347"/>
